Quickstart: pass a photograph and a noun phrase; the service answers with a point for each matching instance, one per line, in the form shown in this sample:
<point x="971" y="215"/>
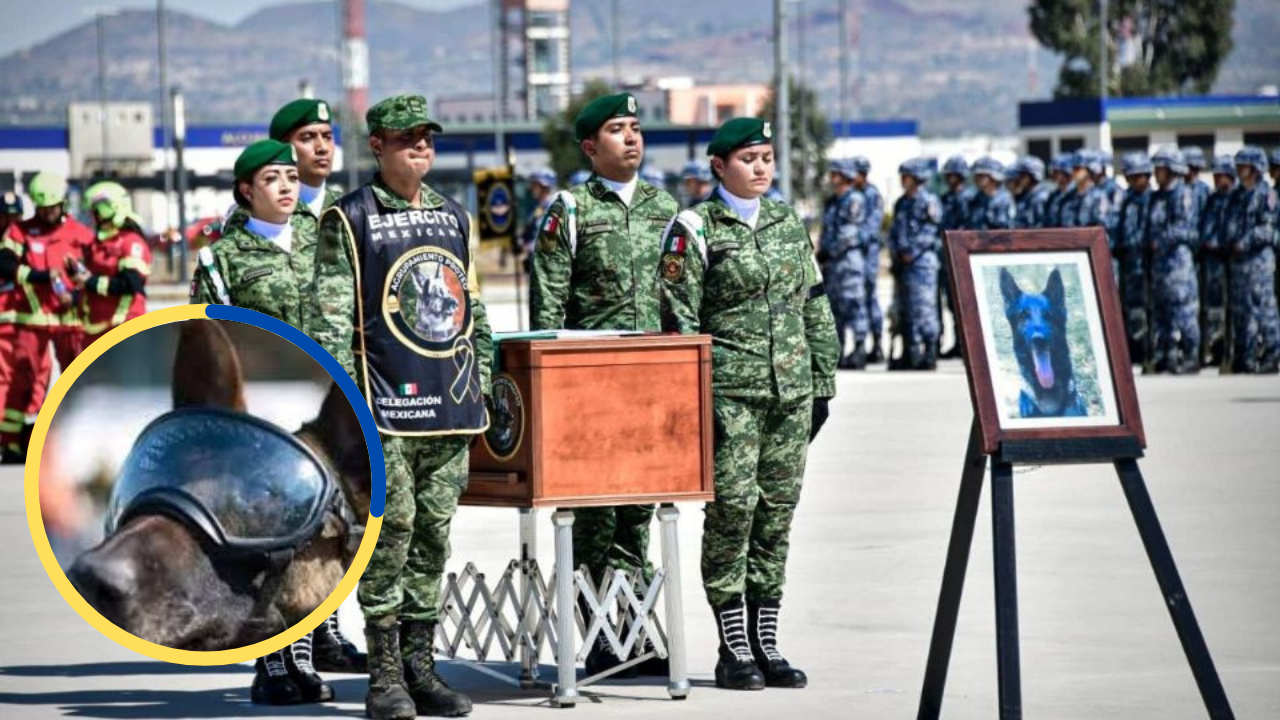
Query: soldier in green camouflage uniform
<point x="593" y="270"/>
<point x="263" y="261"/>
<point x="427" y="469"/>
<point x="741" y="268"/>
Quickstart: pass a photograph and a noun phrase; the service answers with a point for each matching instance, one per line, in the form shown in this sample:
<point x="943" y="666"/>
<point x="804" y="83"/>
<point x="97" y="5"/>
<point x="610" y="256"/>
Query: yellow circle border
<point x="35" y="521"/>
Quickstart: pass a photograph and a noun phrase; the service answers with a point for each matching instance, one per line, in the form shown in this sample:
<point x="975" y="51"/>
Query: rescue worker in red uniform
<point x="11" y="421"/>
<point x="116" y="264"/>
<point x="37" y="255"/>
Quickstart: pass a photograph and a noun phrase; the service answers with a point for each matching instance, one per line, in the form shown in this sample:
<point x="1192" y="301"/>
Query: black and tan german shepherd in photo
<point x="1039" y="325"/>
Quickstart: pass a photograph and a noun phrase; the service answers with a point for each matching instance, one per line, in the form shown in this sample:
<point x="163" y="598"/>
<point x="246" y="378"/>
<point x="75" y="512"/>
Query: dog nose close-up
<point x="104" y="581"/>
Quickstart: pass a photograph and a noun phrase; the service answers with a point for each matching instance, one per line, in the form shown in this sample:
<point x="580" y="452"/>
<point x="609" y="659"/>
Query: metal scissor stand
<point x="525" y="614"/>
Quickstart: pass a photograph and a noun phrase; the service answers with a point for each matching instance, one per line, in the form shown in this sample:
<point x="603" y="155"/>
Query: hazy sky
<point x="29" y="22"/>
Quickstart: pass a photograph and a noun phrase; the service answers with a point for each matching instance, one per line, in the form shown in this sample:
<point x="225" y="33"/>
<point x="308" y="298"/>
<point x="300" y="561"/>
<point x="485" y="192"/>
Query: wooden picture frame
<point x="1059" y="342"/>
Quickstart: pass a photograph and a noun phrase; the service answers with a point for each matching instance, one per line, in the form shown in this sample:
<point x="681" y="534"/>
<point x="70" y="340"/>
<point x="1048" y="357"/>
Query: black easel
<point x="1124" y="454"/>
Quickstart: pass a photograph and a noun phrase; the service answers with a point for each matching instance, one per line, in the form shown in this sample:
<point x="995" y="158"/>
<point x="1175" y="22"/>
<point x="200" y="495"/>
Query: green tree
<point x="810" y="138"/>
<point x="557" y="132"/>
<point x="1154" y="47"/>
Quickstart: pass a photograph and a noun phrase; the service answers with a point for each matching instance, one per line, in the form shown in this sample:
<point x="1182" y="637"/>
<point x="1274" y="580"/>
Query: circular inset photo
<point x="204" y="486"/>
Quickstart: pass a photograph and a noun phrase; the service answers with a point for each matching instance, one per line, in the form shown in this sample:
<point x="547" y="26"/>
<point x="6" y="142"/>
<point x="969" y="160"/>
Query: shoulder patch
<point x="673" y="267"/>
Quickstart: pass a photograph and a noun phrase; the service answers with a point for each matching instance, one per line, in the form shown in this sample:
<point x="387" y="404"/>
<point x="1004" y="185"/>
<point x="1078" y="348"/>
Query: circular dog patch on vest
<point x="506" y="418"/>
<point x="426" y="299"/>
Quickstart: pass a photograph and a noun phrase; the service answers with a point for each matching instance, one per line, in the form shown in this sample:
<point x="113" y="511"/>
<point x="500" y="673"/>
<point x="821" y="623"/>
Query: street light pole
<point x="102" y="91"/>
<point x="179" y="141"/>
<point x="844" y="68"/>
<point x="782" y="99"/>
<point x="165" y="128"/>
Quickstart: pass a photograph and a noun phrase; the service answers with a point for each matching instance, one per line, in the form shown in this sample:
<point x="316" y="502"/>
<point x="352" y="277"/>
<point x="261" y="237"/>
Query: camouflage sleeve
<point x="820" y="334"/>
<point x="875" y="219"/>
<point x="680" y="273"/>
<point x="330" y="316"/>
<point x="1263" y="210"/>
<point x="552" y="270"/>
<point x="853" y="213"/>
<point x="483" y="333"/>
<point x="1183" y="220"/>
<point x="1001" y="214"/>
<point x="202" y="292"/>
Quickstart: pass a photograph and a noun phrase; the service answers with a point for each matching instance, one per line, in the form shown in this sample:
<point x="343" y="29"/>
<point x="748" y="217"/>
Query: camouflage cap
<point x="300" y="112"/>
<point x="1136" y="163"/>
<point x="261" y="154"/>
<point x="400" y="112"/>
<point x="603" y="108"/>
<point x="989" y="166"/>
<point x="1224" y="165"/>
<point x="1194" y="157"/>
<point x="740" y="132"/>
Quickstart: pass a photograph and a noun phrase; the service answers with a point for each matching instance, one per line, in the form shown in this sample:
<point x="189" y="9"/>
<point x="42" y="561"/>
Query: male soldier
<point x="1213" y="285"/>
<point x="1255" y="327"/>
<point x="1060" y="174"/>
<point x="37" y="255"/>
<point x="992" y="206"/>
<point x="955" y="216"/>
<point x="841" y="252"/>
<point x="914" y="243"/>
<point x="696" y="182"/>
<point x="1130" y="241"/>
<point x="593" y="270"/>
<point x="1088" y="205"/>
<point x="874" y="218"/>
<point x="1172" y="237"/>
<point x="426" y="392"/>
<point x="1030" y="197"/>
<point x="13" y="418"/>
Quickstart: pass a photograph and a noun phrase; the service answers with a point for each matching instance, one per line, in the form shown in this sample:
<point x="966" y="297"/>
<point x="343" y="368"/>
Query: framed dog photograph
<point x="1043" y="336"/>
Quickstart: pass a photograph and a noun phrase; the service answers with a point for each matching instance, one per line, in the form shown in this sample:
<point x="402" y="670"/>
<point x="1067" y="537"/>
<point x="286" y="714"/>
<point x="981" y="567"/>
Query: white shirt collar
<point x="312" y="196"/>
<point x="748" y="211"/>
<point x="624" y="190"/>
<point x="279" y="234"/>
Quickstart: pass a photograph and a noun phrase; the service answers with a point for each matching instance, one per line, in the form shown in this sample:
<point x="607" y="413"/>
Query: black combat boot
<point x="654" y="666"/>
<point x="930" y="359"/>
<point x="272" y="684"/>
<point x="431" y="695"/>
<point x="331" y="651"/>
<point x="387" y="699"/>
<point x="313" y="688"/>
<point x="762" y="622"/>
<point x="601" y="657"/>
<point x="736" y="668"/>
<point x="877" y="353"/>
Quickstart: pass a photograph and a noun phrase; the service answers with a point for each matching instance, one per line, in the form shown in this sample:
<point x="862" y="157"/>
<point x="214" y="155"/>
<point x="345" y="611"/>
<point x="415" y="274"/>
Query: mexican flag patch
<point x="408" y="389"/>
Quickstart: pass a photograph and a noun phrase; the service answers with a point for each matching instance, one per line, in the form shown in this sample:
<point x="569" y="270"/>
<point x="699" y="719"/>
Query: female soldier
<point x="264" y="265"/>
<point x="740" y="268"/>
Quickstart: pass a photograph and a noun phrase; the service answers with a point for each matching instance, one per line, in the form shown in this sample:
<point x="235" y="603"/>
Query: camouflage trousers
<point x="1213" y="302"/>
<point x="1177" y="307"/>
<point x="425" y="477"/>
<point x="875" y="314"/>
<point x="845" y="279"/>
<point x="1133" y="294"/>
<point x="760" y="447"/>
<point x="1255" y="322"/>
<point x="612" y="537"/>
<point x="917" y="299"/>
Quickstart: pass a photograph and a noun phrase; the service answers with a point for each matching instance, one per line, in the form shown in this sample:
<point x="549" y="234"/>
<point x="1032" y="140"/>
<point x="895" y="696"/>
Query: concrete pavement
<point x="867" y="554"/>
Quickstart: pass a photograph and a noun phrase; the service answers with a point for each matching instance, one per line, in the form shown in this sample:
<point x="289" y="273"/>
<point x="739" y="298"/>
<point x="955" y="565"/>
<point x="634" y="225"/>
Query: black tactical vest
<point x="415" y="316"/>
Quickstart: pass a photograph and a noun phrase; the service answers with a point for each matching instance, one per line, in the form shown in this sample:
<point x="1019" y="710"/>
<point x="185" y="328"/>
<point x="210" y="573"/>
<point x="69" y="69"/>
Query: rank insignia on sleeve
<point x="672" y="267"/>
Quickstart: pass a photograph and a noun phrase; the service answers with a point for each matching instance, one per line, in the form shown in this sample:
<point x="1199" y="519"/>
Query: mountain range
<point x="956" y="68"/>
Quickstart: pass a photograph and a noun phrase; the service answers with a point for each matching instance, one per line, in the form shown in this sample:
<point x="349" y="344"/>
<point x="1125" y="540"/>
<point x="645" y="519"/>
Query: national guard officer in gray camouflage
<point x="1255" y="326"/>
<point x="593" y="270"/>
<point x="1060" y="174"/>
<point x="740" y="268"/>
<point x="1213" y="257"/>
<point x="1130" y="248"/>
<point x="397" y="303"/>
<point x="955" y="202"/>
<point x="992" y="206"/>
<point x="1087" y="205"/>
<point x="1031" y="198"/>
<point x="914" y="244"/>
<point x="874" y="220"/>
<point x="1173" y="238"/>
<point x="842" y="254"/>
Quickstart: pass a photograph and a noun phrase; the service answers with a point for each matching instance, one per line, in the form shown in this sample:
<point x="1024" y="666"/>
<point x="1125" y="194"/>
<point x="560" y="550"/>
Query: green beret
<point x="303" y="111"/>
<point x="400" y="112"/>
<point x="740" y="132"/>
<point x="261" y="153"/>
<point x="601" y="109"/>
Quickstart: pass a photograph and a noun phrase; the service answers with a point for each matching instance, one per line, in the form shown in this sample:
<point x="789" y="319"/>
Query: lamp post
<point x="782" y="99"/>
<point x="179" y="141"/>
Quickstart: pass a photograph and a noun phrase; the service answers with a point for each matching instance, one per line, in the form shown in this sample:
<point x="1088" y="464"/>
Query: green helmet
<point x="47" y="189"/>
<point x="110" y="204"/>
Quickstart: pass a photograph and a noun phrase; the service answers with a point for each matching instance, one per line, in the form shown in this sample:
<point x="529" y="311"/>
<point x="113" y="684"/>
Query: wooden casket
<point x="597" y="420"/>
